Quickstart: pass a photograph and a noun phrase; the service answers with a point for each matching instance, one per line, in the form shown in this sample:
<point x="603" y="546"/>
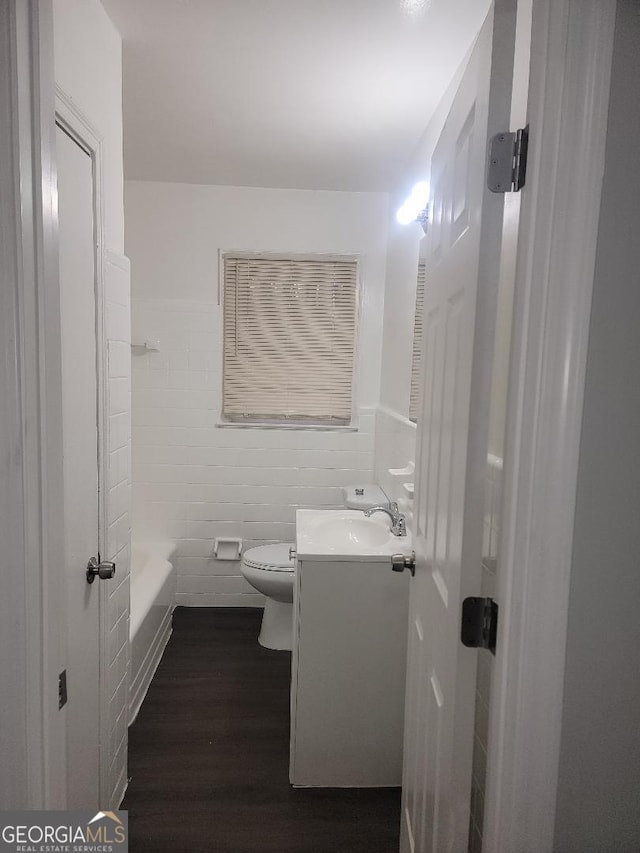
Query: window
<point x="417" y="345"/>
<point x="289" y="336"/>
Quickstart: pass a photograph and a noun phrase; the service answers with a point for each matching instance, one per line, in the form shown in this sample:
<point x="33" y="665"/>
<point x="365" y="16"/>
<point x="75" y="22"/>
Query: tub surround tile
<point x="395" y="447"/>
<point x="118" y="636"/>
<point x="118" y="543"/>
<point x="118" y="701"/>
<point x="118" y="733"/>
<point x="118" y="533"/>
<point x="194" y="481"/>
<point x="196" y="222"/>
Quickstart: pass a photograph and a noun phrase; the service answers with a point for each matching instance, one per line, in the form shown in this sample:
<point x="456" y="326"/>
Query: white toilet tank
<point x="364" y="497"/>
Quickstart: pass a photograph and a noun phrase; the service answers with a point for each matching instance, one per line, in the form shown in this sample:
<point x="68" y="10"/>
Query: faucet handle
<point x="393" y="506"/>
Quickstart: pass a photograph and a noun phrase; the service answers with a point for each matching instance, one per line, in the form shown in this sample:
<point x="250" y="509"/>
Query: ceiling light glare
<point x="405" y="214"/>
<point x="415" y="203"/>
<point x="414" y="7"/>
<point x="420" y="195"/>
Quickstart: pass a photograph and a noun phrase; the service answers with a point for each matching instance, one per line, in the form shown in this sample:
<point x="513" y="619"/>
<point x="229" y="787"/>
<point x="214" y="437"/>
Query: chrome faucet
<point x="398" y="521"/>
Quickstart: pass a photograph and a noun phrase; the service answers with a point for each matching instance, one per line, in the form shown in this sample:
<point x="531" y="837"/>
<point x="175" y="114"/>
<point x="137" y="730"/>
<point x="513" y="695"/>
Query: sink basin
<point x="346" y="532"/>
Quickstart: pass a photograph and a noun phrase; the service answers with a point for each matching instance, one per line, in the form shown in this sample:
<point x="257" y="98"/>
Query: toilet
<point x="270" y="570"/>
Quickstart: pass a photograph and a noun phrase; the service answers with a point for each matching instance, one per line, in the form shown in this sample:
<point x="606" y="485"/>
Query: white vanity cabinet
<point x="348" y="668"/>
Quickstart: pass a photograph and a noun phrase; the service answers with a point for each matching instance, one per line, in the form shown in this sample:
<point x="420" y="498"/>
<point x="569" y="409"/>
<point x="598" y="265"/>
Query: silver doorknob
<point x="104" y="569"/>
<point x="399" y="563"/>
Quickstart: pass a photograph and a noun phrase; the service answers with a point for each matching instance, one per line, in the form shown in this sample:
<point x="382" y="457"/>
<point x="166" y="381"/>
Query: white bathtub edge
<point x="164" y="549"/>
<point x="140" y="686"/>
<point x="146" y="586"/>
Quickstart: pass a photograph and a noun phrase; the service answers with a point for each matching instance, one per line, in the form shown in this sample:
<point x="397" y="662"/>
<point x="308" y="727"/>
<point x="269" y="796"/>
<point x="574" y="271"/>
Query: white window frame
<point x="290" y="423"/>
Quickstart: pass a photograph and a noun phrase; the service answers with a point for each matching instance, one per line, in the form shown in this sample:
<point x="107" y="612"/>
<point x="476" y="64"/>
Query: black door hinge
<point x="479" y="623"/>
<point x="62" y="689"/>
<point x="507" y="166"/>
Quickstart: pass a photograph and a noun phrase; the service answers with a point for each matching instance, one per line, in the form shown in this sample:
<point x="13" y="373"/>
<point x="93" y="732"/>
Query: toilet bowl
<point x="270" y="570"/>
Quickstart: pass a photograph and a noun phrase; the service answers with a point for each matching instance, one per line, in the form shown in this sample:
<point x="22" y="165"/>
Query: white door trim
<point x="572" y="43"/>
<point x="30" y="417"/>
<point x="73" y="121"/>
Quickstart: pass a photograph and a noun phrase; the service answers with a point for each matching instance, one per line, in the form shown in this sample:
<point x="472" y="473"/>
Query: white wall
<point x="395" y="434"/>
<point x="193" y="481"/>
<point x="88" y="69"/>
<point x="599" y="776"/>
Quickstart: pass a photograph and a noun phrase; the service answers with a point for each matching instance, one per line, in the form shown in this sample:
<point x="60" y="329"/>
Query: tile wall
<point x="117" y="297"/>
<point x="395" y="448"/>
<point x="194" y="481"/>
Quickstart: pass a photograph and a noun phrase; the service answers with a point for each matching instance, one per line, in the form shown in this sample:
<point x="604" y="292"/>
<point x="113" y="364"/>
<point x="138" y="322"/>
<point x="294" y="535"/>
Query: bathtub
<point x="153" y="591"/>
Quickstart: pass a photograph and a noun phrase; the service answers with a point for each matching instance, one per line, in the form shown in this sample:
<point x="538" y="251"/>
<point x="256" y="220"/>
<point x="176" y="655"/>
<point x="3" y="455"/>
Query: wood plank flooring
<point x="209" y="754"/>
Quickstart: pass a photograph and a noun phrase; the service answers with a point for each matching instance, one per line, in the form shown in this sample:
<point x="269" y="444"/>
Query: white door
<point x="461" y="278"/>
<point x="80" y="447"/>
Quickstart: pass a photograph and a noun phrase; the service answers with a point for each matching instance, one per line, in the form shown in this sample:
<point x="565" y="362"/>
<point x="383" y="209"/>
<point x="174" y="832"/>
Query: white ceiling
<point x="310" y="94"/>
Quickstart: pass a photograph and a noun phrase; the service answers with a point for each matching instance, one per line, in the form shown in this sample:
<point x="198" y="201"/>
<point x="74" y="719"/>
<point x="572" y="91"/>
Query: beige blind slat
<point x="417" y="345"/>
<point x="289" y="332"/>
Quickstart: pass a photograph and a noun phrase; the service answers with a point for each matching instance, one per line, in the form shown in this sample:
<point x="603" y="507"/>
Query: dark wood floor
<point x="209" y="753"/>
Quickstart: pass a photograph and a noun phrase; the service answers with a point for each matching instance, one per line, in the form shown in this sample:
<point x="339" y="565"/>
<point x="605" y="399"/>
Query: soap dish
<point x="409" y="468"/>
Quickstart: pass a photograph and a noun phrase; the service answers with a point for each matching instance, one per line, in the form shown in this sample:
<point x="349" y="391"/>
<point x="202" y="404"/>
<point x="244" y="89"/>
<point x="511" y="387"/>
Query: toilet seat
<point x="270" y="558"/>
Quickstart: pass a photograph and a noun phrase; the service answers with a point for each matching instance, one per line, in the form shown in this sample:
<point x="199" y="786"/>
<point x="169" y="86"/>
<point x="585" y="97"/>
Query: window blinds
<point x="417" y="345"/>
<point x="289" y="333"/>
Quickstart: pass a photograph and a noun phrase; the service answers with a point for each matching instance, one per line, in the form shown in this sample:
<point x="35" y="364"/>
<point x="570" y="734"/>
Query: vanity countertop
<point x="344" y="534"/>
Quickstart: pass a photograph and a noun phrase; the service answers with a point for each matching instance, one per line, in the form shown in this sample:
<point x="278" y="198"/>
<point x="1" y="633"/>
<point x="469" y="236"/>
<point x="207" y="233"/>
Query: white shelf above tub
<point x="409" y="489"/>
<point x="150" y="345"/>
<point x="407" y="471"/>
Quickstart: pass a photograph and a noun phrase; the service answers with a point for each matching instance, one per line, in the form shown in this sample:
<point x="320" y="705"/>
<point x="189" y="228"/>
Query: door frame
<point x="31" y="420"/>
<point x="571" y="53"/>
<point x="73" y="122"/>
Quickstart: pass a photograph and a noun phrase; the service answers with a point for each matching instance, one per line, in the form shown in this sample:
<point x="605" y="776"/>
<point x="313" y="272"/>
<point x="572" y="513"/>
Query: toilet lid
<point x="272" y="558"/>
